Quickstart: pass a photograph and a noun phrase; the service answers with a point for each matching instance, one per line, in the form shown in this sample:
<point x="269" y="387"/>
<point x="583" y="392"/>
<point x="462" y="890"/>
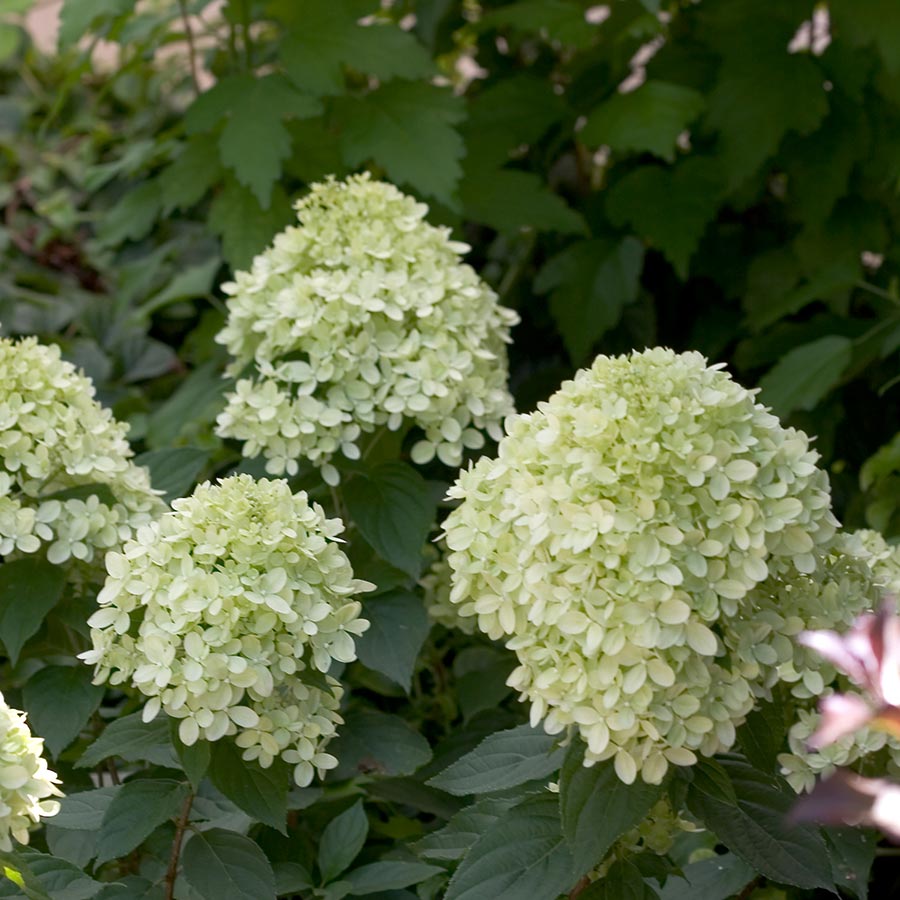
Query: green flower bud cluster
<point x="616" y="540"/>
<point x="25" y="781"/>
<point x="363" y="316"/>
<point x="68" y="486"/>
<point x="228" y="613"/>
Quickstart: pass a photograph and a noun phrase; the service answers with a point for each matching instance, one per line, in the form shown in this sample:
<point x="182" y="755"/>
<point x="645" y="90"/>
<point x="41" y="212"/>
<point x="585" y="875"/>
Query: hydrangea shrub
<point x="616" y="539"/>
<point x="68" y="486"/>
<point x="27" y="785"/>
<point x="363" y="316"/>
<point x="227" y="613"/>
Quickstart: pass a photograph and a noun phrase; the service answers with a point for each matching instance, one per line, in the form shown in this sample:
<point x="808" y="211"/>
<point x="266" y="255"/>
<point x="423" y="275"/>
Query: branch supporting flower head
<point x="227" y="613"/>
<point x="616" y="540"/>
<point x="363" y="316"/>
<point x="57" y="440"/>
<point x="26" y="783"/>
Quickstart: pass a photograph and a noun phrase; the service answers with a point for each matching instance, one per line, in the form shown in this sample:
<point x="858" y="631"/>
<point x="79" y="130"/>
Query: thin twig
<point x="750" y="888"/>
<point x="113" y="771"/>
<point x="192" y="50"/>
<point x="180" y="827"/>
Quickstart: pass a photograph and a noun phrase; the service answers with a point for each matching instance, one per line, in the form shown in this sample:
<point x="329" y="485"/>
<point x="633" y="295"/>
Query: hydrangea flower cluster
<point x="227" y="613"/>
<point x="842" y="601"/>
<point x="620" y="531"/>
<point x="360" y="317"/>
<point x="56" y="445"/>
<point x="25" y="781"/>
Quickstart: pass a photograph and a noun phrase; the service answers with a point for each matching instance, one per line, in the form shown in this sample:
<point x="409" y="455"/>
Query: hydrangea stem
<point x="180" y="827"/>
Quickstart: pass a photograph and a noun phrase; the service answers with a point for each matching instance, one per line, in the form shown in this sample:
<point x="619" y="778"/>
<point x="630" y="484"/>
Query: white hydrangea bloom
<point x="360" y="317"/>
<point x="56" y="444"/>
<point x="620" y="526"/>
<point x="227" y="613"/>
<point x="25" y="781"/>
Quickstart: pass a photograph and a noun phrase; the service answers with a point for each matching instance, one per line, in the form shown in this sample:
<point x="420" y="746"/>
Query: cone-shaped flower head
<point x="620" y="526"/>
<point x="360" y="317"/>
<point x="25" y="781"/>
<point x="228" y="613"/>
<point x="67" y="482"/>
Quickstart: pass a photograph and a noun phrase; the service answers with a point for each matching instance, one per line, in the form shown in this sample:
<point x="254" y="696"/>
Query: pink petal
<point x="840" y="714"/>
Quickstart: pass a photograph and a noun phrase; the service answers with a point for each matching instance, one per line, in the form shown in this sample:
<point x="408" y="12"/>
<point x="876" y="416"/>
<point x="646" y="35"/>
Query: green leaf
<point x="398" y="626"/>
<point x="244" y="226"/>
<point x="453" y="841"/>
<point x="291" y="878"/>
<point x="133" y="740"/>
<point x="388" y="875"/>
<point x="508" y="199"/>
<point x="505" y="115"/>
<point x="29" y="589"/>
<point x="322" y="38"/>
<point x="84" y="811"/>
<point x="136" y="812"/>
<point x="191" y="174"/>
<point x="76" y="847"/>
<point x="524" y="856"/>
<point x="132" y="887"/>
<point x="623" y="881"/>
<point x="669" y="207"/>
<point x="195" y="281"/>
<point x="852" y="853"/>
<point x="255" y="139"/>
<point x="763" y="92"/>
<point x="803" y="376"/>
<point x="261" y="793"/>
<point x="756" y="828"/>
<point x="559" y="20"/>
<point x="14" y="869"/>
<point x="394" y="510"/>
<point x="194" y="759"/>
<point x="342" y="840"/>
<point x="407" y="128"/>
<point x="591" y="284"/>
<point x="60" y="879"/>
<point x="597" y="808"/>
<point x="761" y="737"/>
<point x="377" y="743"/>
<point x="649" y="118"/>
<point x="59" y="701"/>
<point x="174" y="471"/>
<point x="220" y="864"/>
<point x="132" y="217"/>
<point x="77" y="17"/>
<point x="866" y="23"/>
<point x="502" y="761"/>
<point x="717" y="878"/>
<point x="197" y="400"/>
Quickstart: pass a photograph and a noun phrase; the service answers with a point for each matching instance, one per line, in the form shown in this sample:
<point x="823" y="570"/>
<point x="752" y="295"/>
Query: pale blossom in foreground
<point x="227" y="614"/>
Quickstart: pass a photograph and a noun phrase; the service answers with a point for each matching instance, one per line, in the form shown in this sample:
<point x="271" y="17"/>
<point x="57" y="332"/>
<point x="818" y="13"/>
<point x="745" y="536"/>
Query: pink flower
<point x="869" y="654"/>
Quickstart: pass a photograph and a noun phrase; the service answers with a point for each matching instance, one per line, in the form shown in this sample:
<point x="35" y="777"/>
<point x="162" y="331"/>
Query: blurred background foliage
<point x="720" y="175"/>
